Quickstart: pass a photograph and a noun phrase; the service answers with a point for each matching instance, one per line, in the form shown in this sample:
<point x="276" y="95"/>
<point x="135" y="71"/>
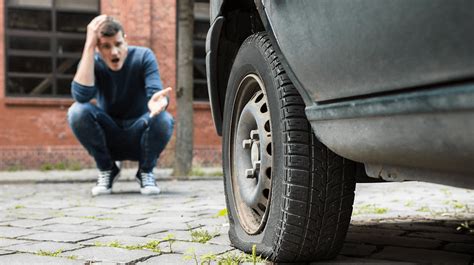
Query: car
<point x="309" y="95"/>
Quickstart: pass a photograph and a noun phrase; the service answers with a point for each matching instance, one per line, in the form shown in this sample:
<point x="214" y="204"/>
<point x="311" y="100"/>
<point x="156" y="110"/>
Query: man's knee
<point x="162" y="125"/>
<point x="78" y="112"/>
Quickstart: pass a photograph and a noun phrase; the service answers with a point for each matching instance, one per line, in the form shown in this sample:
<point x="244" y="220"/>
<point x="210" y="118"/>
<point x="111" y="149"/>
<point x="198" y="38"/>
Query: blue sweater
<point x="123" y="94"/>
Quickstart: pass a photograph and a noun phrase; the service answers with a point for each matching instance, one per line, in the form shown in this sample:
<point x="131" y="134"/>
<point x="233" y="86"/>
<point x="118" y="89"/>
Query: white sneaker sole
<point x="150" y="191"/>
<point x="100" y="191"/>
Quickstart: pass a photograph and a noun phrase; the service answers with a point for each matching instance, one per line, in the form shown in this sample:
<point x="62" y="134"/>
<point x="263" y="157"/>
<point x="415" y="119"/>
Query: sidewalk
<point x="56" y="221"/>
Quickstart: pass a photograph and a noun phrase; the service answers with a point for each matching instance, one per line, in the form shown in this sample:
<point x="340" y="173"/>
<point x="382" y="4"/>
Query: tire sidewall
<point x="251" y="58"/>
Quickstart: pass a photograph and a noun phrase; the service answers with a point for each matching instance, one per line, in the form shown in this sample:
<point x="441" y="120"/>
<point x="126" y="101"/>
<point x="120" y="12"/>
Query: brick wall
<point x="34" y="132"/>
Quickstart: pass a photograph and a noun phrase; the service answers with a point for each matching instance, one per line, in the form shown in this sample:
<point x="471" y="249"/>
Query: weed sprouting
<point x="369" y="209"/>
<point x="96" y="218"/>
<point x="170" y="238"/>
<point x="202" y="235"/>
<point x="224" y="259"/>
<point x="221" y="213"/>
<point x="49" y="253"/>
<point x="151" y="245"/>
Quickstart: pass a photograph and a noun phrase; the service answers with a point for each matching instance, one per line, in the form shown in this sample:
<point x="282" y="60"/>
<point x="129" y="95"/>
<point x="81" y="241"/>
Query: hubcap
<point x="252" y="157"/>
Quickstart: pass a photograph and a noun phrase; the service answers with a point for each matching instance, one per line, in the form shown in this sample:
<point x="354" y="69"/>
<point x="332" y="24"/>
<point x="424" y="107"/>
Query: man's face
<point x="114" y="50"/>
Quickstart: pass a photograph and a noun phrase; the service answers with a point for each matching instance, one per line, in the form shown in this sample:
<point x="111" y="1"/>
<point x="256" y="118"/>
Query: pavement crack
<point x="142" y="259"/>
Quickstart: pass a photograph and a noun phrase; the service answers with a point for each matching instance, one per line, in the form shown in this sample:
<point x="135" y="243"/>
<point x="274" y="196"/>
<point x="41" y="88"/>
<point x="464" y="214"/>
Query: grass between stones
<point x="224" y="259"/>
<point x="221" y="213"/>
<point x="96" y="218"/>
<point x="369" y="209"/>
<point x="54" y="254"/>
<point x="202" y="235"/>
<point x="152" y="245"/>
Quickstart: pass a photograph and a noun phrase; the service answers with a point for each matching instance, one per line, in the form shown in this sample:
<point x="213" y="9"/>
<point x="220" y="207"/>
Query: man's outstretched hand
<point x="158" y="102"/>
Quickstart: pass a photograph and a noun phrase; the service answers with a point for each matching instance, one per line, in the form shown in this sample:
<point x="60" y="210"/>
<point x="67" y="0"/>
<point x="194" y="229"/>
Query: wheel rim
<point x="252" y="157"/>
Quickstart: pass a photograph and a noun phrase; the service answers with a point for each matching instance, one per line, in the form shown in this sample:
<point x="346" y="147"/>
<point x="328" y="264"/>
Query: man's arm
<point x="158" y="98"/>
<point x="85" y="72"/>
<point x="82" y="87"/>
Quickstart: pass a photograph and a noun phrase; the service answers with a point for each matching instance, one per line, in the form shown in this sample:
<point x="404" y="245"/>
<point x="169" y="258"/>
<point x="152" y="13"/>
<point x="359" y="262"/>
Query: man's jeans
<point x="108" y="140"/>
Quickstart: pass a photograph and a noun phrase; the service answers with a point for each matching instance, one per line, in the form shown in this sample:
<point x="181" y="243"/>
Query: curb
<point x="90" y="175"/>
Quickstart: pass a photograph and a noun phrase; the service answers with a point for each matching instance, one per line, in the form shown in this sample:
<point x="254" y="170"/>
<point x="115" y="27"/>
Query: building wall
<point x="34" y="132"/>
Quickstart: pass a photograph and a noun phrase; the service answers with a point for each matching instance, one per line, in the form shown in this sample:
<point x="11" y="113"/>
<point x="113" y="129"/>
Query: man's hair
<point x="111" y="27"/>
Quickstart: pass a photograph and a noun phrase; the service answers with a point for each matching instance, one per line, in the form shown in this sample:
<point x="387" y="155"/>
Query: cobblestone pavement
<point x="60" y="223"/>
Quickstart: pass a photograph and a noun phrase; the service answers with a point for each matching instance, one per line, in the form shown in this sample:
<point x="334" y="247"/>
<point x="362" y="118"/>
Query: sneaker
<point x="105" y="181"/>
<point x="147" y="183"/>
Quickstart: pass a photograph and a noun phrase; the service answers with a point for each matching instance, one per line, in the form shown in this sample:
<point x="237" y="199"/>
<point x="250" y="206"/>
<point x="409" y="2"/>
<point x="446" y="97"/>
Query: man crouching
<point x="129" y="121"/>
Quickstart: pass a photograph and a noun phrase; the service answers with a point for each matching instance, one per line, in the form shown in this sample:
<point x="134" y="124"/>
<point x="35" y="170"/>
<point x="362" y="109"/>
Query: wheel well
<point x="241" y="20"/>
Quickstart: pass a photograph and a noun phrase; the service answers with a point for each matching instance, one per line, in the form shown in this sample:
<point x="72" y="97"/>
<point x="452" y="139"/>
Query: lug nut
<point x="247" y="144"/>
<point x="254" y="135"/>
<point x="256" y="165"/>
<point x="250" y="173"/>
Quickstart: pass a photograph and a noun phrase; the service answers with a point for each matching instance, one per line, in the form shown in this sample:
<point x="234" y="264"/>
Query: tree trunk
<point x="184" y="91"/>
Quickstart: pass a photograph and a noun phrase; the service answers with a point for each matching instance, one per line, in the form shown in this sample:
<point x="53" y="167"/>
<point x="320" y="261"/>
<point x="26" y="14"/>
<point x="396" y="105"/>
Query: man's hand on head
<point x="158" y="102"/>
<point x="93" y="30"/>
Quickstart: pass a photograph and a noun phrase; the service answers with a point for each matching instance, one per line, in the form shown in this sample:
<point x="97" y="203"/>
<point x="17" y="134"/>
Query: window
<point x="201" y="26"/>
<point x="44" y="41"/>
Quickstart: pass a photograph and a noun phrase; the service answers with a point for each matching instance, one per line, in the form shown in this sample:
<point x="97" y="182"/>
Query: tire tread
<point x="317" y="199"/>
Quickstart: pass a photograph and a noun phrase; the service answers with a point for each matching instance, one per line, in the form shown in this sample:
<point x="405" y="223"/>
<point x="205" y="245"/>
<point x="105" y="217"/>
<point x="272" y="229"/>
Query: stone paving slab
<point x="130" y="231"/>
<point x="357" y="250"/>
<point x="24" y="223"/>
<point x="121" y="217"/>
<point x="209" y="222"/>
<point x="165" y="218"/>
<point x="33" y="214"/>
<point x="451" y="237"/>
<point x="24" y="258"/>
<point x="6" y="252"/>
<point x="139" y="210"/>
<point x="109" y="254"/>
<point x="168" y="259"/>
<point x="112" y="223"/>
<point x="59" y="237"/>
<point x="177" y="234"/>
<point x="12" y="232"/>
<point x="66" y="220"/>
<point x="198" y="248"/>
<point x="69" y="228"/>
<point x="4" y="242"/>
<point x="170" y="225"/>
<point x="422" y="256"/>
<point x="393" y="240"/>
<point x="84" y="211"/>
<point x="43" y="246"/>
<point x="105" y="202"/>
<point x="176" y="214"/>
<point x="375" y="230"/>
<point x="52" y="204"/>
<point x="123" y="240"/>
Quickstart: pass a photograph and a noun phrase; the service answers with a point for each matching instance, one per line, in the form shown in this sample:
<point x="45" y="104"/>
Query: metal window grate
<point x="44" y="40"/>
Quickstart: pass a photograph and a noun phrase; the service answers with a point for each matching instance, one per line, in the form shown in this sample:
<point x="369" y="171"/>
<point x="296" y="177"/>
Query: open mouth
<point x="115" y="60"/>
